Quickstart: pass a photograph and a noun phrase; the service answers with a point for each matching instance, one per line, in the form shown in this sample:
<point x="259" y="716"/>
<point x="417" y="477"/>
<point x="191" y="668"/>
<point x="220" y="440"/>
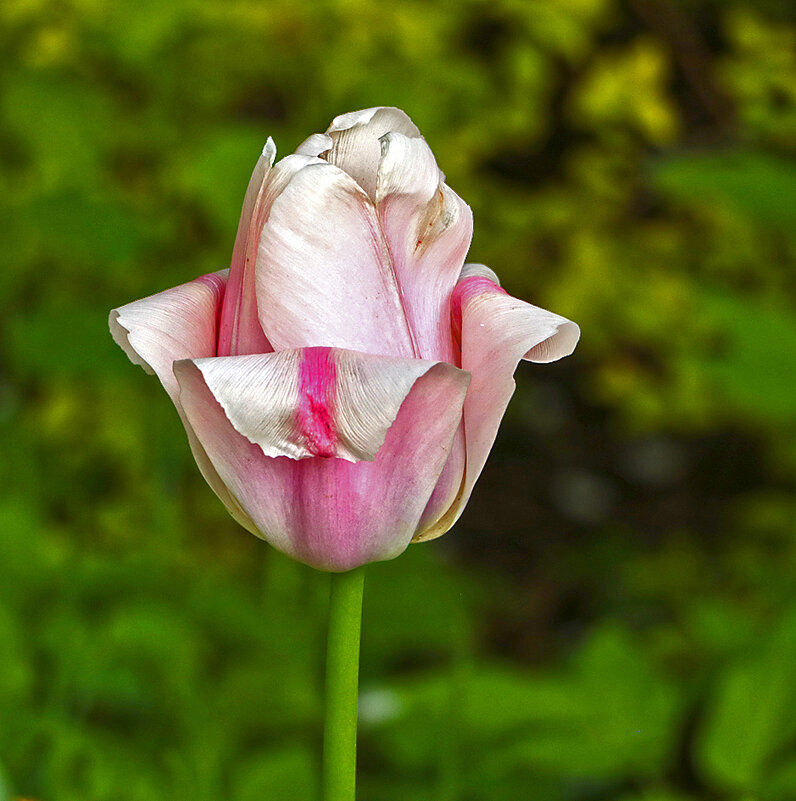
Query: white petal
<point x="389" y="118"/>
<point x="269" y="151"/>
<point x="315" y="144"/>
<point x="406" y="167"/>
<point x="479" y="271"/>
<point x="356" y="147"/>
<point x="324" y="275"/>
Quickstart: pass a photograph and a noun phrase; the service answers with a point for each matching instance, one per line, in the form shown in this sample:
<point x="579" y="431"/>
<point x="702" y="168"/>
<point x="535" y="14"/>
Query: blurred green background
<point x="614" y="617"/>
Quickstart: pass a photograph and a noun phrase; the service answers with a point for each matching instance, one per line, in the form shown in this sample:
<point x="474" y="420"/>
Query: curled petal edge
<point x="495" y="331"/>
<point x="178" y="323"/>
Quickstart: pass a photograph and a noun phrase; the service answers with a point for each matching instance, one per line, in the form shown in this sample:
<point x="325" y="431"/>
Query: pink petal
<point x="328" y="512"/>
<point x="240" y="331"/>
<point x="324" y="275"/>
<point x="355" y="136"/>
<point x="496" y="331"/>
<point x="179" y="323"/>
<point x="428" y="228"/>
<point x="443" y="504"/>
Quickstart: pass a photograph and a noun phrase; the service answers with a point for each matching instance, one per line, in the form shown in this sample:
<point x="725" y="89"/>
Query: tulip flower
<point x="342" y="383"/>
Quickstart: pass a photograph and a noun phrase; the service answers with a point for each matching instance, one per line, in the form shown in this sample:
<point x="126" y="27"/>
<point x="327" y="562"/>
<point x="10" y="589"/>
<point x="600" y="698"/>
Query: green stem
<point x="342" y="679"/>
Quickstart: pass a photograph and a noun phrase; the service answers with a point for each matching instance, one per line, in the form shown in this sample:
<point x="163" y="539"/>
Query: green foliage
<point x="754" y="185"/>
<point x="613" y="618"/>
<point x="607" y="715"/>
<point x="751" y="722"/>
<point x="751" y="362"/>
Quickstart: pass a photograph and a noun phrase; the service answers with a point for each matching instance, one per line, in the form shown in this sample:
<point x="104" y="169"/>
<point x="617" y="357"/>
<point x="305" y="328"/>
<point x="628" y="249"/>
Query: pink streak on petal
<point x="214" y="281"/>
<point x="316" y="406"/>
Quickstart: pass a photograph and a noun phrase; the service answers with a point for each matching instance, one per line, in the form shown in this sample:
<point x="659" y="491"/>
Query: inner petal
<point x="240" y="331"/>
<point x="324" y="275"/>
<point x="239" y="328"/>
<point x="428" y="228"/>
<point x="355" y="141"/>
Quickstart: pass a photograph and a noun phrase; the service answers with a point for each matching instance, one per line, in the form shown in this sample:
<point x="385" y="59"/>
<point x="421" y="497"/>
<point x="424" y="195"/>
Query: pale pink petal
<point x="356" y="147"/>
<point x="407" y="167"/>
<point x="179" y="323"/>
<point x="281" y="175"/>
<point x="240" y="331"/>
<point x="446" y="493"/>
<point x="328" y="512"/>
<point x="315" y="144"/>
<point x="239" y="328"/>
<point x="496" y="331"/>
<point x="324" y="275"/>
<point x="428" y="229"/>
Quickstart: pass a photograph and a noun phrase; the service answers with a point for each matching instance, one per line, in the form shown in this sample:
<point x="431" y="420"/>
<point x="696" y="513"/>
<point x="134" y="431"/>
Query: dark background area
<point x="614" y="617"/>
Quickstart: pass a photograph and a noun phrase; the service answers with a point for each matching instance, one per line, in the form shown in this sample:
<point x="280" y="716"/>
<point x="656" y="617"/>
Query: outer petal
<point x="324" y="275"/>
<point x="355" y="136"/>
<point x="312" y="402"/>
<point x="179" y="323"/>
<point x="239" y="329"/>
<point x="331" y="513"/>
<point x="448" y="489"/>
<point x="496" y="331"/>
<point x="428" y="228"/>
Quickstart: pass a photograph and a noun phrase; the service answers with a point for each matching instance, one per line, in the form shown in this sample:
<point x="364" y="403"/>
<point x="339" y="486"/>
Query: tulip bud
<point x="342" y="384"/>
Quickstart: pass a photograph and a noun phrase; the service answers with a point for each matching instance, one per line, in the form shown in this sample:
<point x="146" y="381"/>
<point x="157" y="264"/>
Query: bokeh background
<point x="614" y="617"/>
